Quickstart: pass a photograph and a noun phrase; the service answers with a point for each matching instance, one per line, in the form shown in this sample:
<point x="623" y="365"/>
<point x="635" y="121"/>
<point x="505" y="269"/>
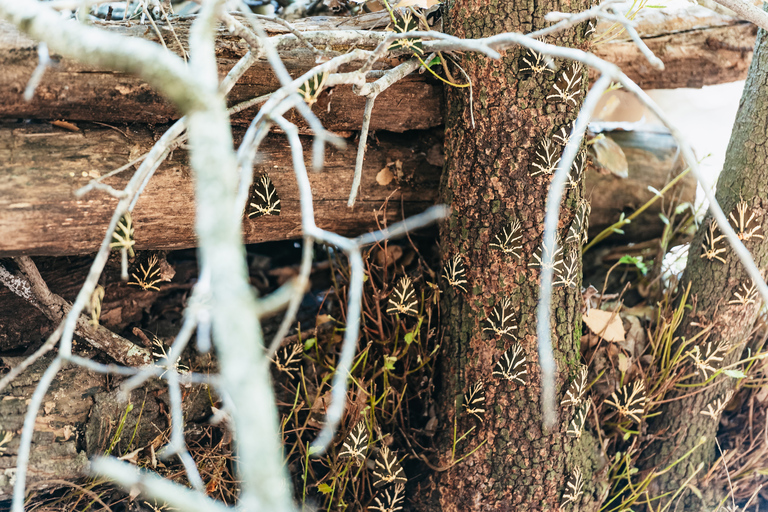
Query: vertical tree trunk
<point x="714" y="285"/>
<point x="487" y="182"/>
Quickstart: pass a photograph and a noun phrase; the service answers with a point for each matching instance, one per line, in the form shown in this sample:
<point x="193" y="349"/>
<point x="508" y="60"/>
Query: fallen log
<point x="698" y="46"/>
<point x="45" y="165"/>
<point x="74" y="91"/>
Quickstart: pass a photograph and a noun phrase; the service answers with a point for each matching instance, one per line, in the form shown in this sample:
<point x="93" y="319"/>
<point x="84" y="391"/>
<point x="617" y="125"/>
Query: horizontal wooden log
<point x="74" y="91"/>
<point x="699" y="47"/>
<point x="44" y="165"/>
<point x="695" y="58"/>
<point x="654" y="159"/>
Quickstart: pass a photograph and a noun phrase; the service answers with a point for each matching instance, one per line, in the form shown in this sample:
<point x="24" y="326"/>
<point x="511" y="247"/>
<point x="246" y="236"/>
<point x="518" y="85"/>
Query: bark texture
<point x="713" y="286"/>
<point x="487" y="183"/>
<point x="56" y="450"/>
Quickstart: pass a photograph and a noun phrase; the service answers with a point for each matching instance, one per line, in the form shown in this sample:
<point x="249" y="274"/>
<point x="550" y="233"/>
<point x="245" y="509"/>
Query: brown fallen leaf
<point x="66" y="125"/>
<point x="384" y="177"/>
<point x="606" y="324"/>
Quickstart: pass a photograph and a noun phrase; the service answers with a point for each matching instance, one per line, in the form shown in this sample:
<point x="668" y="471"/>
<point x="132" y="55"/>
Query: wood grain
<point x="698" y="47"/>
<point x="44" y="165"/>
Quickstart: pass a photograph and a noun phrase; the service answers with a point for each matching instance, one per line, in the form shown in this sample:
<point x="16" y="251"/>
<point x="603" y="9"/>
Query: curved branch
<point x="162" y="69"/>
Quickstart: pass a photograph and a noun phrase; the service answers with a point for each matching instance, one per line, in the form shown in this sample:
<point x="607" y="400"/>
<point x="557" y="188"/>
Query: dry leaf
<point x="390" y="256"/>
<point x="132" y="457"/>
<point x="635" y="343"/>
<point x="606" y="324"/>
<point x="66" y="125"/>
<point x="610" y="156"/>
<point x="167" y="272"/>
<point x="384" y="177"/>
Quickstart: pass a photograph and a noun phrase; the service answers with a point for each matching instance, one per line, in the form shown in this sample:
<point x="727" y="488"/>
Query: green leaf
<point x="389" y="363"/>
<point x="664" y="219"/>
<point x="409" y="336"/>
<point x="637" y="261"/>
<point x="308" y="344"/>
<point x="435" y="60"/>
<point x="325" y="488"/>
<point x="735" y="374"/>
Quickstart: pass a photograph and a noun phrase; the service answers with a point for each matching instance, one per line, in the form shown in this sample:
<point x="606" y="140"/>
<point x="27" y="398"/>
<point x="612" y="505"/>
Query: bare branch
<point x="49" y="344"/>
<point x="361" y="149"/>
<point x="747" y="11"/>
<point x="155" y="486"/>
<point x="37" y="74"/>
<point x="55" y="307"/>
<point x="371" y="91"/>
<point x="551" y="216"/>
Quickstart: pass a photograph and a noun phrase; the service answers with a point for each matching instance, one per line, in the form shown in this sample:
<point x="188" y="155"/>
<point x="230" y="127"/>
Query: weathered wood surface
<point x="653" y="160"/>
<point x="43" y="166"/>
<point x="56" y="451"/>
<point x="699" y="47"/>
<point x="79" y="418"/>
<point x="693" y="58"/>
<point x="74" y="91"/>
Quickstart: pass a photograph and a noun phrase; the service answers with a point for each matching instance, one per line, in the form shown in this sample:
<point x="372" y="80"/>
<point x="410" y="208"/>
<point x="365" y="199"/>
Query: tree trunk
<point x="487" y="182"/>
<point x="714" y="284"/>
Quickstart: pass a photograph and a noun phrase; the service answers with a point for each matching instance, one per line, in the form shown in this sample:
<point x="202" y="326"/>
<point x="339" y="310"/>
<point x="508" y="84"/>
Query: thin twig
<point x="44" y="60"/>
<point x="302" y="281"/>
<point x="292" y="30"/>
<point x="17" y="370"/>
<point x="361" y="149"/>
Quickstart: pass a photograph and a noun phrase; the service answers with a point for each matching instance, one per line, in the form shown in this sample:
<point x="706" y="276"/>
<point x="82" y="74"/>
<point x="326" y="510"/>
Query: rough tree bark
<point x="487" y="183"/>
<point x="713" y="286"/>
